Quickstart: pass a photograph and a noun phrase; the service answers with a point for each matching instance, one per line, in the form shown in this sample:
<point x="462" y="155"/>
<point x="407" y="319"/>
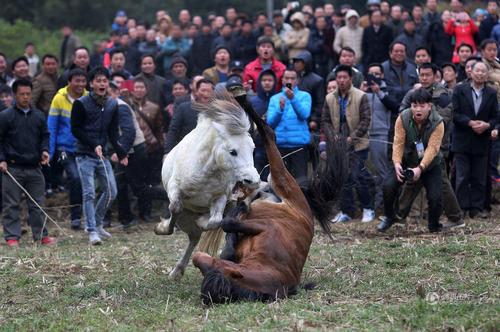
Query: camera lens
<point x="408" y="174"/>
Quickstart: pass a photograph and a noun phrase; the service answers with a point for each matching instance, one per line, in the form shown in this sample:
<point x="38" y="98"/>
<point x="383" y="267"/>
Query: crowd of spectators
<point x="408" y="89"/>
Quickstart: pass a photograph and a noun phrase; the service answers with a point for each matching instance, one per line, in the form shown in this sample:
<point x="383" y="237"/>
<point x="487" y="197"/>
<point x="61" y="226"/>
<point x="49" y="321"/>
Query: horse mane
<point x="225" y="110"/>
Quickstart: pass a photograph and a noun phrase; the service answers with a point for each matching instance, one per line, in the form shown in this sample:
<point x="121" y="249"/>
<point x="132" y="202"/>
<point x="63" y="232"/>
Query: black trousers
<point x="470" y="185"/>
<point x="432" y="182"/>
<point x="136" y="176"/>
<point x="296" y="163"/>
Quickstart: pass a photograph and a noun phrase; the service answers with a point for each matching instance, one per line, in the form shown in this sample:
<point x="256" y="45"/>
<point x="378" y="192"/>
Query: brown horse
<point x="267" y="243"/>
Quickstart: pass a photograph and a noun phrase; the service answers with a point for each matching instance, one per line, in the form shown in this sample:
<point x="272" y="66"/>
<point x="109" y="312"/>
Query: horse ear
<point x="221" y="130"/>
<point x="233" y="273"/>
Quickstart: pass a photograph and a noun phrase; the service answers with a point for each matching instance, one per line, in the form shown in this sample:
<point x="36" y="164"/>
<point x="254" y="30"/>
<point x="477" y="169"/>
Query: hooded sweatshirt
<point x="296" y="40"/>
<point x="350" y="36"/>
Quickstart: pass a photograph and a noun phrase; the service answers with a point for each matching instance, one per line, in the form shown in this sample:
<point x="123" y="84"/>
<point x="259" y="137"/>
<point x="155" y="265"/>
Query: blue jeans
<point x="90" y="167"/>
<point x="358" y="179"/>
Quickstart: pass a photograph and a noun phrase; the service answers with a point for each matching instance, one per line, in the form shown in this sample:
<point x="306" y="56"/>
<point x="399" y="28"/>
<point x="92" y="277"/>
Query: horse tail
<point x="328" y="180"/>
<point x="210" y="241"/>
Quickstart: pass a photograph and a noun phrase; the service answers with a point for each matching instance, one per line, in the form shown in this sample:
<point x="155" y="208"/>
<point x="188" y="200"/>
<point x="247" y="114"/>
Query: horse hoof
<point x="176" y="274"/>
<point x="162" y="229"/>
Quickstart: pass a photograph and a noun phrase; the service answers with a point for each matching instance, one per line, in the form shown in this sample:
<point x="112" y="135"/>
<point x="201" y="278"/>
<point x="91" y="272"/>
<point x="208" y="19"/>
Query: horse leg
<point x="166" y="226"/>
<point x="194" y="234"/>
<point x="174" y="196"/>
<point x="229" y="251"/>
<point x="216" y="213"/>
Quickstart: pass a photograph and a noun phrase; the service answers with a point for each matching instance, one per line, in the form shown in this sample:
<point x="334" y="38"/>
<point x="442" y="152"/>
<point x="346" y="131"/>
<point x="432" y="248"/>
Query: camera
<point x="408" y="175"/>
<point x="289" y="85"/>
<point x="371" y="79"/>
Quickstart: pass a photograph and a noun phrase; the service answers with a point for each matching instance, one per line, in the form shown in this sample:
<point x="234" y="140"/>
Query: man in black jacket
<point x="94" y="118"/>
<point x="376" y="40"/>
<point x="24" y="146"/>
<point x="474" y="115"/>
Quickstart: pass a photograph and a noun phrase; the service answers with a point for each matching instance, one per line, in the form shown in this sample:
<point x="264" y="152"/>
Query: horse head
<point x="233" y="146"/>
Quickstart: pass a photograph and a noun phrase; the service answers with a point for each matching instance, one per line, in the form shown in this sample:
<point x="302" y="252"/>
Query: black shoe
<point x="131" y="223"/>
<point x="147" y="218"/>
<point x="384" y="225"/>
<point x="454" y="224"/>
<point x="75" y="224"/>
<point x="437" y="229"/>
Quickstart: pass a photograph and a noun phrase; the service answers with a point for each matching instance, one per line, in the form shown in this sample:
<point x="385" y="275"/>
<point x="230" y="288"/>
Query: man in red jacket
<point x="265" y="61"/>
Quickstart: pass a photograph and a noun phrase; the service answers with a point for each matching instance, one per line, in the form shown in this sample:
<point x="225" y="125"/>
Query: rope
<point x="285" y="156"/>
<point x="108" y="182"/>
<point x="36" y="203"/>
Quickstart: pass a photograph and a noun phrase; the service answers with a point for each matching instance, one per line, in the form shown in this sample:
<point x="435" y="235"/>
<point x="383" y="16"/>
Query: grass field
<point x="403" y="280"/>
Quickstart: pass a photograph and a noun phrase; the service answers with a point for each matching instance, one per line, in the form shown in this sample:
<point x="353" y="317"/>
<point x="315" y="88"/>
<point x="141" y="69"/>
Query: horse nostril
<point x="246" y="181"/>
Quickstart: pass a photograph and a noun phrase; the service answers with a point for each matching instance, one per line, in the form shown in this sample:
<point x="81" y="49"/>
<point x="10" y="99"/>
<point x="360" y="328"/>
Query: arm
<point x="169" y="47"/>
<point x="114" y="134"/>
<point x="365" y="115"/>
<point x="126" y="123"/>
<point x="459" y="118"/>
<point x="405" y="103"/>
<point x="389" y="101"/>
<point x="302" y="105"/>
<point x="36" y="92"/>
<point x="274" y="111"/>
<point x="399" y="142"/>
<point x="319" y="101"/>
<point x="326" y="123"/>
<point x="4" y="125"/>
<point x="314" y="45"/>
<point x="302" y="41"/>
<point x="450" y="27"/>
<point x="337" y="44"/>
<point x="77" y="121"/>
<point x="44" y="135"/>
<point x="174" y="129"/>
<point x="433" y="146"/>
<point x="53" y="126"/>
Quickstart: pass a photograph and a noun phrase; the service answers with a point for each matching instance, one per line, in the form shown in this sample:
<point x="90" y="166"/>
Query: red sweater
<point x="254" y="68"/>
<point x="462" y="34"/>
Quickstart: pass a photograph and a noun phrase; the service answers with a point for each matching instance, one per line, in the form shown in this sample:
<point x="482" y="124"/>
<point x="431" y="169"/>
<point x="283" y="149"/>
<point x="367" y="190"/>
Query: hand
<point x="417" y="86"/>
<point x="125" y="93"/>
<point x="494" y="134"/>
<point x="114" y="158"/>
<point x="480" y="127"/>
<point x="323" y="155"/>
<point x="282" y="103"/>
<point x="289" y="93"/>
<point x="313" y="125"/>
<point x="349" y="140"/>
<point x="364" y="86"/>
<point x="375" y="87"/>
<point x="417" y="172"/>
<point x="98" y="151"/>
<point x="124" y="161"/>
<point x="3" y="167"/>
<point x="247" y="85"/>
<point x="399" y="172"/>
<point x="45" y="158"/>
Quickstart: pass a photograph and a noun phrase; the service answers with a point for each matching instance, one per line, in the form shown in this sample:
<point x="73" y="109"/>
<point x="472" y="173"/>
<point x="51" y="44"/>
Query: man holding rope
<point x="24" y="147"/>
<point x="94" y="118"/>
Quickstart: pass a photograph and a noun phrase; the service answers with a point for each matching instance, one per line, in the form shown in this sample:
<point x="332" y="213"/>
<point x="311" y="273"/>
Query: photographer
<point x="418" y="134"/>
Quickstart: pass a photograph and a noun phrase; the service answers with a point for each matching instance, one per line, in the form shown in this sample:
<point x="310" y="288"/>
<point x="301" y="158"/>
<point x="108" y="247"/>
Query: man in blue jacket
<point x="287" y="115"/>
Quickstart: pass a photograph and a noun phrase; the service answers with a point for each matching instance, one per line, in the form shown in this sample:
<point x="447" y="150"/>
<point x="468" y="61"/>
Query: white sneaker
<point x="94" y="238"/>
<point x="368" y="215"/>
<point x="102" y="233"/>
<point x="336" y="218"/>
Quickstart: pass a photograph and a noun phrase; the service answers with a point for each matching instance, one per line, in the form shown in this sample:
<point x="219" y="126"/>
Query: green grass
<point x="406" y="279"/>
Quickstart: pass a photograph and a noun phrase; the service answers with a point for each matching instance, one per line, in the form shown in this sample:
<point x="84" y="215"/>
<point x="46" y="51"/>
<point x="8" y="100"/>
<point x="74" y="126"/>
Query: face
<point x="222" y="57"/>
<point x="290" y="77"/>
<point x="353" y="20"/>
<point x="140" y="90"/>
<point x="118" y="62"/>
<point x="204" y="93"/>
<point x="226" y="31"/>
<point x="131" y="23"/>
<point x="179" y="70"/>
<point x="184" y="16"/>
<point x="261" y="20"/>
<point x="332" y="86"/>
<point x="141" y="31"/>
<point x="329" y="9"/>
<point x="464" y="53"/>
<point x="468" y="67"/>
<point x="321" y="23"/>
<point x="268" y="31"/>
<point x="77" y="84"/>
<point x="298" y="65"/>
<point x="6" y="99"/>
<point x="385" y="7"/>
<point x="426" y="77"/>
<point x="376" y="71"/>
<point x="231" y="14"/>
<point x="30" y="50"/>
<point x="492" y="7"/>
<point x="347" y="58"/>
<point x="246" y="28"/>
<point x="219" y="21"/>
<point x="398" y="53"/>
<point x="344" y="81"/>
<point x="100" y="85"/>
<point x="432" y="5"/>
<point x="396" y="12"/>
<point x="421" y="111"/>
<point x="376" y="18"/>
<point x="449" y="74"/>
<point x="23" y="97"/>
<point x="21" y="69"/>
<point x="3" y="64"/>
<point x="267" y="83"/>
<point x="266" y="51"/>
<point x="417" y="12"/>
<point x="456" y="6"/>
<point x="198" y="21"/>
<point x="421" y="56"/>
<point x="82" y="59"/>
<point x="490" y="51"/>
<point x="179" y="90"/>
<point x="176" y="32"/>
<point x="118" y="80"/>
<point x="409" y="27"/>
<point x="50" y="66"/>
<point x="479" y="73"/>
<point x="148" y="65"/>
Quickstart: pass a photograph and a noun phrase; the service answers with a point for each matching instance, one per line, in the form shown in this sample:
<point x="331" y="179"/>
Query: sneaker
<point x="384" y="224"/>
<point x="102" y="233"/>
<point x="437" y="229"/>
<point x="344" y="218"/>
<point x="47" y="240"/>
<point x="454" y="225"/>
<point x="75" y="224"/>
<point x="368" y="215"/>
<point x="94" y="238"/>
<point x="336" y="218"/>
<point x="12" y="243"/>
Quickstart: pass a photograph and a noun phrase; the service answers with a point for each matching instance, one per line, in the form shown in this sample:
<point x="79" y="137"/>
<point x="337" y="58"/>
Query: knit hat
<point x="178" y="59"/>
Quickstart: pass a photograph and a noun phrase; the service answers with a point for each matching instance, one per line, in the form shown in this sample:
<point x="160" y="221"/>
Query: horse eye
<point x="233" y="153"/>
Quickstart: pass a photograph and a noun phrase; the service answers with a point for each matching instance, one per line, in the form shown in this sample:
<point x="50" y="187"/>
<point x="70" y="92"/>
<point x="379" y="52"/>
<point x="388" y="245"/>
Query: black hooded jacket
<point x="260" y="101"/>
<point x="313" y="84"/>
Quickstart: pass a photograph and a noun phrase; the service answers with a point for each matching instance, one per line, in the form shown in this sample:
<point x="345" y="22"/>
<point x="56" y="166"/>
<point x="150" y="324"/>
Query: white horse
<point x="202" y="171"/>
